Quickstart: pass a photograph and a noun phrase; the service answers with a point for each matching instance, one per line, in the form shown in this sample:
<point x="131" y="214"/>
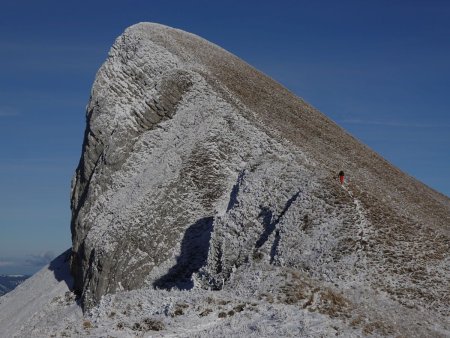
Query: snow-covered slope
<point x="206" y="203"/>
<point x="41" y="303"/>
<point x="259" y="301"/>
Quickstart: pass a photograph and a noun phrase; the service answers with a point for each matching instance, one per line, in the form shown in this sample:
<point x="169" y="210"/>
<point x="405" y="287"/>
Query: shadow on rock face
<point x="270" y="225"/>
<point x="61" y="268"/>
<point x="193" y="256"/>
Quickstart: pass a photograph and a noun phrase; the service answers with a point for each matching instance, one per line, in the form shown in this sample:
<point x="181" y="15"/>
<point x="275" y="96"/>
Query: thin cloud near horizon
<point x="31" y="260"/>
<point x="40" y="259"/>
<point x="393" y="124"/>
<point x="5" y="263"/>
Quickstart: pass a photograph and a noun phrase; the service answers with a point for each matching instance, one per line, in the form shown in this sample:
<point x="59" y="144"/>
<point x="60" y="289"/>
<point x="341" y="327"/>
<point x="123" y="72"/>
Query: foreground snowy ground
<point x="41" y="302"/>
<point x="45" y="307"/>
<point x="275" y="302"/>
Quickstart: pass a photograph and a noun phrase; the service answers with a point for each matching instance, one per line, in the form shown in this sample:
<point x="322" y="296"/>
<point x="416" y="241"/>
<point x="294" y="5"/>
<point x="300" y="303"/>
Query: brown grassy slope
<point x="314" y="133"/>
<point x="412" y="221"/>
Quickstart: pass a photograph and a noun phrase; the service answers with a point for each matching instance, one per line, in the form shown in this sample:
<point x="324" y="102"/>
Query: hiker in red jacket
<point x="341" y="176"/>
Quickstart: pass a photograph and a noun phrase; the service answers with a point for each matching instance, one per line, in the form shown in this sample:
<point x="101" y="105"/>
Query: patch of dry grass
<point x="302" y="291"/>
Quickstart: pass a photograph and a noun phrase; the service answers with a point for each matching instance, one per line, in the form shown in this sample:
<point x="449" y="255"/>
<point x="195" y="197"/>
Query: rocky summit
<point x="196" y="167"/>
<point x="207" y="203"/>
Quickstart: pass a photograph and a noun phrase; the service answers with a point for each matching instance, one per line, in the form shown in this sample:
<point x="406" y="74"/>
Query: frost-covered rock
<point x="196" y="168"/>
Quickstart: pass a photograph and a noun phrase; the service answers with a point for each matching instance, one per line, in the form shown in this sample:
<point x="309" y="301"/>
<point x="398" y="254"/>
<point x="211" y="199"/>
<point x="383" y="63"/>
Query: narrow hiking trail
<point x="362" y="224"/>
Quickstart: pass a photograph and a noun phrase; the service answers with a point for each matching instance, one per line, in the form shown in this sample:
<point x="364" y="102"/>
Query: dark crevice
<point x="219" y="267"/>
<point x="82" y="198"/>
<point x="83" y="289"/>
<point x="193" y="256"/>
<point x="270" y="222"/>
<point x="273" y="250"/>
<point x="235" y="191"/>
<point x="269" y="226"/>
<point x="288" y="205"/>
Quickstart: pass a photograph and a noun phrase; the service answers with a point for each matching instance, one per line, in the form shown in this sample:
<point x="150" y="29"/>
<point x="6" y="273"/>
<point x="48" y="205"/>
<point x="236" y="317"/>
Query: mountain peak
<point x="197" y="168"/>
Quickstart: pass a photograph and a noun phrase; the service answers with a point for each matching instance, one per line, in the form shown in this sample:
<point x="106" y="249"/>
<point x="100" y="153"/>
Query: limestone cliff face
<point x="195" y="164"/>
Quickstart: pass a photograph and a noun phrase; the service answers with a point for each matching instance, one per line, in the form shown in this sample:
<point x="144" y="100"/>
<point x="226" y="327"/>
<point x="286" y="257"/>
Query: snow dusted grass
<point x="259" y="300"/>
<point x="200" y="313"/>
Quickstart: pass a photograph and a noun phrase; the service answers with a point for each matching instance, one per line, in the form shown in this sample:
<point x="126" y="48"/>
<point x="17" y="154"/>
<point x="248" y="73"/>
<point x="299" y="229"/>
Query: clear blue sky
<point x="380" y="69"/>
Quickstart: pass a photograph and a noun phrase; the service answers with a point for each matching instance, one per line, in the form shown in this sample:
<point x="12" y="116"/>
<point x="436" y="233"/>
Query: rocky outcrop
<point x="195" y="167"/>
